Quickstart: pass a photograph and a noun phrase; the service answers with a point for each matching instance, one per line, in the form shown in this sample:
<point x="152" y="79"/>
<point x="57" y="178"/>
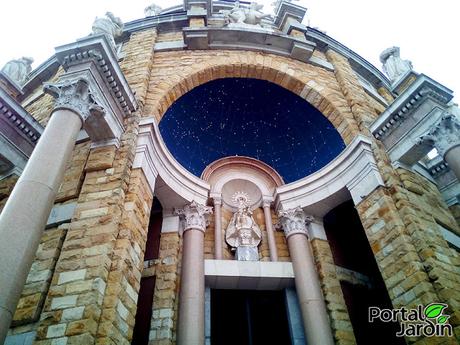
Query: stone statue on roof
<point x="17" y="70"/>
<point x="152" y="10"/>
<point x="393" y="66"/>
<point x="110" y="26"/>
<point x="241" y="17"/>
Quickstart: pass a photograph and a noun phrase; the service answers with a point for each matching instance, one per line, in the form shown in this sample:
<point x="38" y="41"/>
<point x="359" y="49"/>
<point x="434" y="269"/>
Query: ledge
<point x="256" y="39"/>
<point x="251" y="275"/>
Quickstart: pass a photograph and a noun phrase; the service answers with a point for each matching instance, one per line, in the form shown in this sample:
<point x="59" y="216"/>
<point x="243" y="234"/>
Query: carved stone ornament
<point x="242" y="232"/>
<point x="194" y="216"/>
<point x="76" y="96"/>
<point x="393" y="65"/>
<point x="152" y="10"/>
<point x="110" y="26"/>
<point x="445" y="135"/>
<point x="18" y="70"/>
<point x="294" y="221"/>
<point x="244" y="17"/>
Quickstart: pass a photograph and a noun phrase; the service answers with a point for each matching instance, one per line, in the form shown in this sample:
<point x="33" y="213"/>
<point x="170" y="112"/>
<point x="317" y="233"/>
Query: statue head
<point x="392" y="51"/>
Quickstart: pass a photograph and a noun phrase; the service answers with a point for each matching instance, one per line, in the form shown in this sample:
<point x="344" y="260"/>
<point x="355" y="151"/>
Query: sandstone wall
<point x="98" y="258"/>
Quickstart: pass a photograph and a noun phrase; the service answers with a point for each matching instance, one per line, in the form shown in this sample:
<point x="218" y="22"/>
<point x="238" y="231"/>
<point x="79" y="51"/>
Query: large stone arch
<point x="176" y="73"/>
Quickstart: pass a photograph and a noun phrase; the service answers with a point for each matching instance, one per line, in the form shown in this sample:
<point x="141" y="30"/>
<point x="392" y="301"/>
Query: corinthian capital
<point x="294" y="221"/>
<point x="194" y="215"/>
<point x="76" y="96"/>
<point x="445" y="135"/>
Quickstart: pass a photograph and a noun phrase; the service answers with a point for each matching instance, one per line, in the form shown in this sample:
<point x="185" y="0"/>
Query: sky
<point x="426" y="31"/>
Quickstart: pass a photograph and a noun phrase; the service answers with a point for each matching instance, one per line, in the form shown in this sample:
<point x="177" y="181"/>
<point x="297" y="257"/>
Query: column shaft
<point x="311" y="300"/>
<point x="270" y="234"/>
<point x="452" y="157"/>
<point x="191" y="300"/>
<point x="25" y="214"/>
<point x="217" y="231"/>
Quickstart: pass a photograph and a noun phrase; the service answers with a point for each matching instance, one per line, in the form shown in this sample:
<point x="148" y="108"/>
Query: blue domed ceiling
<point x="249" y="117"/>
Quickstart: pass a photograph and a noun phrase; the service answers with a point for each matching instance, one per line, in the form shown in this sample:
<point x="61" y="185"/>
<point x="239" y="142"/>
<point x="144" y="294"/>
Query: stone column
<point x="445" y="137"/>
<point x="191" y="300"/>
<point x="25" y="214"/>
<point x="218" y="228"/>
<point x="311" y="300"/>
<point x="270" y="233"/>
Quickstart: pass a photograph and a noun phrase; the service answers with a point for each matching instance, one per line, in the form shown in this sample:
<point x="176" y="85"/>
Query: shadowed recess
<point x="249" y="117"/>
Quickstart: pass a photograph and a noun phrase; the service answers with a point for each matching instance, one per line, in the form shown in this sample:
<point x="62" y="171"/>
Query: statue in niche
<point x="17" y="70"/>
<point x="244" y="17"/>
<point x="393" y="65"/>
<point x="110" y="26"/>
<point x="242" y="232"/>
<point x="152" y="10"/>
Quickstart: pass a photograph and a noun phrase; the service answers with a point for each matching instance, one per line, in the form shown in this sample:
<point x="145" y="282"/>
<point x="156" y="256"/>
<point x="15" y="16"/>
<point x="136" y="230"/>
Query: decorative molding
<point x="76" y="96"/>
<point x="153" y="157"/>
<point x="353" y="173"/>
<point x="294" y="221"/>
<point x="444" y="135"/>
<point x="19" y="119"/>
<point x="194" y="216"/>
<point x="422" y="89"/>
<point x="98" y="50"/>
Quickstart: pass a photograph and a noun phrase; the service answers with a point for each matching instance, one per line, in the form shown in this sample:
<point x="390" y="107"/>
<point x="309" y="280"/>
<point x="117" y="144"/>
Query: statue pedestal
<point x="247" y="254"/>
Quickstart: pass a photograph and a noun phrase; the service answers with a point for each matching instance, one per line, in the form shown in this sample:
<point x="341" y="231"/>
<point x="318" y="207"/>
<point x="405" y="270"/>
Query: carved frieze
<point x="294" y="221"/>
<point x="445" y="135"/>
<point x="194" y="216"/>
<point x="75" y="95"/>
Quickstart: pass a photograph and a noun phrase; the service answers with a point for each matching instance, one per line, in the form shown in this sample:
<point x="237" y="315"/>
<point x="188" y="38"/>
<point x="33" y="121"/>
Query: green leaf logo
<point x="443" y="318"/>
<point x="433" y="310"/>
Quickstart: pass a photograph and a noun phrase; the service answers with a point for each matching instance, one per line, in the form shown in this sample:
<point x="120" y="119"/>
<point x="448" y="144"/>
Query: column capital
<point x="217" y="200"/>
<point x="294" y="221"/>
<point x="444" y="135"/>
<point x="266" y="203"/>
<point x="76" y="96"/>
<point x="194" y="216"/>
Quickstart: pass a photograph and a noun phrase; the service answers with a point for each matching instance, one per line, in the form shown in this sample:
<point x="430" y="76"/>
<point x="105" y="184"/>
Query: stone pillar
<point x="218" y="228"/>
<point x="311" y="300"/>
<point x="270" y="233"/>
<point x="25" y="214"/>
<point x="445" y="137"/>
<point x="191" y="299"/>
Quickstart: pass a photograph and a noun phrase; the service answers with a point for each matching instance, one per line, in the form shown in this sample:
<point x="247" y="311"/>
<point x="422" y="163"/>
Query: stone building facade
<point x="107" y="238"/>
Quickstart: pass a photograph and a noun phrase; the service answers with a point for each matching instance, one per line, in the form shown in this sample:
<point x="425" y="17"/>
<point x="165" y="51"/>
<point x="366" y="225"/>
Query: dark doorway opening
<point x="248" y="317"/>
<point x="351" y="250"/>
<point x="147" y="284"/>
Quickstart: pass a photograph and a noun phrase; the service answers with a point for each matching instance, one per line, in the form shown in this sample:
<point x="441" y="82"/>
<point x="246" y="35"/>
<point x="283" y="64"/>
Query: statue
<point x="17" y="70"/>
<point x="110" y="26"/>
<point x="152" y="10"/>
<point x="242" y="232"/>
<point x="241" y="17"/>
<point x="393" y="65"/>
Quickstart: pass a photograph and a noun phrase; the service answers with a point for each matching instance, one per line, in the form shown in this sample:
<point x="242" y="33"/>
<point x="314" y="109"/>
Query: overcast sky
<point x="427" y="31"/>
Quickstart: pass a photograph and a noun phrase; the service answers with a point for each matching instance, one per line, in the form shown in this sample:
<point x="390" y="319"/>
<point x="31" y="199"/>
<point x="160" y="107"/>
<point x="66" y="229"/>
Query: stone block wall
<point x="6" y="187"/>
<point x="330" y="284"/>
<point x="93" y="292"/>
<point x="316" y="85"/>
<point x="42" y="270"/>
<point x="164" y="313"/>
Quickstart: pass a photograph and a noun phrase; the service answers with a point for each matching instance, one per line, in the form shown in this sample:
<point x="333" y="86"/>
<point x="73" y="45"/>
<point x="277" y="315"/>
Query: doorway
<point x="249" y="317"/>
